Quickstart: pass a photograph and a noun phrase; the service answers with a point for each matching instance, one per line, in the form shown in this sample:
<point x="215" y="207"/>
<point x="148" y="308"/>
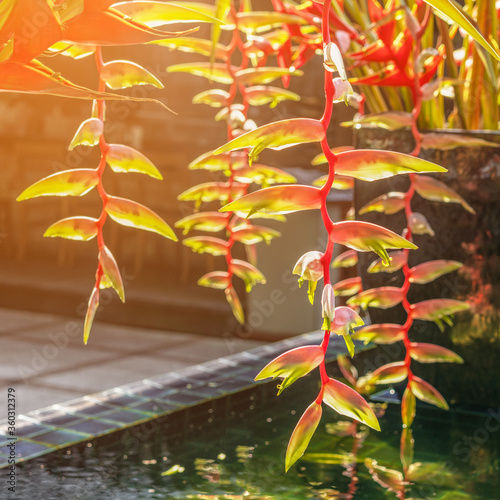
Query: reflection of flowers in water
<point x="482" y="272"/>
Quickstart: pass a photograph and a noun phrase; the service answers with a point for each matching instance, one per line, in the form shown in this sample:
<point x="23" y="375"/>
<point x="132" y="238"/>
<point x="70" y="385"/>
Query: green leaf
<point x="445" y="142"/>
<point x="434" y="190"/>
<point x="217" y="72"/>
<point x="431" y="353"/>
<point x="276" y="200"/>
<point x="132" y="214"/>
<point x="222" y="9"/>
<point x="348" y="258"/>
<point x="73" y="228"/>
<point x="88" y="133"/>
<point x="383" y="333"/>
<point x="397" y="261"/>
<point x="347" y="401"/>
<point x="192" y="45"/>
<point x="250" y="235"/>
<point x="154" y="13"/>
<point x="126" y="74"/>
<point x="92" y="306"/>
<point x="260" y="95"/>
<point x="426" y="392"/>
<point x="111" y="274"/>
<point x="455" y="14"/>
<point x="235" y="304"/>
<point x="388" y="120"/>
<point x="263" y="75"/>
<point x="390" y="373"/>
<point x="276" y="135"/>
<point x="248" y="273"/>
<point x="373" y="164"/>
<point x="213" y="191"/>
<point x="389" y="203"/>
<point x="222" y="162"/>
<point x="263" y="175"/>
<point x="438" y="310"/>
<point x="365" y="237"/>
<point x="302" y="434"/>
<point x="216" y="279"/>
<point x="215" y="98"/>
<point x="203" y="221"/>
<point x="77" y="182"/>
<point x="429" y="271"/>
<point x="293" y="365"/>
<point x="350" y="345"/>
<point x="258" y="21"/>
<point x="206" y="244"/>
<point x="408" y="407"/>
<point x="126" y="159"/>
<point x="383" y="297"/>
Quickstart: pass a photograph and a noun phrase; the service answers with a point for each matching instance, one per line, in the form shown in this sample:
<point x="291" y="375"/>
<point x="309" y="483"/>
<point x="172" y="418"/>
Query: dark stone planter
<point x="474" y="240"/>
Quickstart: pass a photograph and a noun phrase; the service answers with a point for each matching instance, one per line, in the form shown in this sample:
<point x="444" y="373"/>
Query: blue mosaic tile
<point x="93" y="427"/>
<point x="126" y="416"/>
<point x="118" y="399"/>
<point x="156" y="407"/>
<point x="183" y="398"/>
<point x="91" y="409"/>
<point x="61" y="437"/>
<point x="28" y="449"/>
<point x="32" y="429"/>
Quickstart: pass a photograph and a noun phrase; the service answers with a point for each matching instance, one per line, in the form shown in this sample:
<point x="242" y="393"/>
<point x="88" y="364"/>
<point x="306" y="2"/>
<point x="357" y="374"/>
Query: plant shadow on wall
<point x="264" y="47"/>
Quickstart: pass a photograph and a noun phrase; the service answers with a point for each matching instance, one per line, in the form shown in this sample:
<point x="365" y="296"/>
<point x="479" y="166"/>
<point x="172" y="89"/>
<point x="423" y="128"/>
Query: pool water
<point x="456" y="457"/>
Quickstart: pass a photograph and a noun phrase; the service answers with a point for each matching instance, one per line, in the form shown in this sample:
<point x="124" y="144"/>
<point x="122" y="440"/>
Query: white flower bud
<point x="328" y="306"/>
<point x="309" y="266"/>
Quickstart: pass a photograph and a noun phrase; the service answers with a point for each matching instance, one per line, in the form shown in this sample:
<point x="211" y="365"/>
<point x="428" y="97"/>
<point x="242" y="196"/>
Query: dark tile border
<point x="188" y="390"/>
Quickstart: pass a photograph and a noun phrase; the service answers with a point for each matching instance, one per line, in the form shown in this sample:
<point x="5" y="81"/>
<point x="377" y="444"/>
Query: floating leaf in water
<point x="77" y="182"/>
<point x="434" y="190"/>
<point x="206" y="244"/>
<point x="132" y="214"/>
<point x="248" y="273"/>
<point x="126" y="159"/>
<point x="389" y="203"/>
<point x="88" y="133"/>
<point x="276" y="200"/>
<point x="250" y="235"/>
<point x="372" y="164"/>
<point x="438" y="310"/>
<point x="429" y="271"/>
<point x="347" y="401"/>
<point x="383" y="333"/>
<point x="365" y="237"/>
<point x="203" y="221"/>
<point x="125" y="74"/>
<point x="215" y="279"/>
<point x="175" y="469"/>
<point x="445" y="142"/>
<point x="302" y="434"/>
<point x="390" y="373"/>
<point x="383" y="297"/>
<point x="276" y="135"/>
<point x="398" y="260"/>
<point x="348" y="258"/>
<point x="388" y="478"/>
<point x="426" y="392"/>
<point x="292" y="365"/>
<point x="73" y="228"/>
<point x="431" y="353"/>
<point x="111" y="274"/>
<point x="347" y="287"/>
